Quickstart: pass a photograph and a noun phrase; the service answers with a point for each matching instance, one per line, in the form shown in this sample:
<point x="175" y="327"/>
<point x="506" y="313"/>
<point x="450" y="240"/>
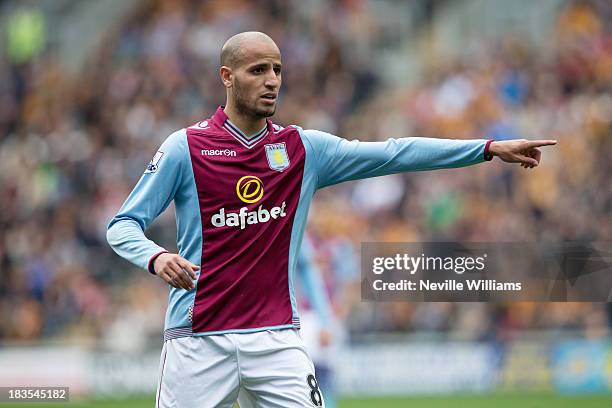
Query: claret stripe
<point x="244" y="283"/>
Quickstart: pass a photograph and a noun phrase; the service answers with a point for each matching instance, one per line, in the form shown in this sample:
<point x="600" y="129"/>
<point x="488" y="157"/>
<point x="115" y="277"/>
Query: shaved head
<point x="235" y="49"/>
<point x="251" y="74"/>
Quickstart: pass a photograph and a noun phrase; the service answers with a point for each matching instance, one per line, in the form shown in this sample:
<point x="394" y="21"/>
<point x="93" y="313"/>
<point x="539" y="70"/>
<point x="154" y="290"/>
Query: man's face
<point x="256" y="80"/>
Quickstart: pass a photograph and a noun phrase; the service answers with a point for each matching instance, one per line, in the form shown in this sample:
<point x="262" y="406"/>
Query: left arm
<point x="338" y="160"/>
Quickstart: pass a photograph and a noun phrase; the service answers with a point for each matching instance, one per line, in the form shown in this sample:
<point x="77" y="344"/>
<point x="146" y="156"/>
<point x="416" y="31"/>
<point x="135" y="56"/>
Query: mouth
<point x="269" y="97"/>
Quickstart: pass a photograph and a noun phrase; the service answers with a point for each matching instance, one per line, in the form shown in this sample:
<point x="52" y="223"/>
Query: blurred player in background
<point x="242" y="187"/>
<point x="319" y="329"/>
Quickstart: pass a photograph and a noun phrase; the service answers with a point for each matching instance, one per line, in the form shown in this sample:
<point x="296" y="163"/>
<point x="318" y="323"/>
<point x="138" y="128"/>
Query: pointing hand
<point x="521" y="151"/>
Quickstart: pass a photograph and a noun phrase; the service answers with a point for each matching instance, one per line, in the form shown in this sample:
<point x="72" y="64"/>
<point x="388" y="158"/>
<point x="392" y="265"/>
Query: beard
<point x="248" y="108"/>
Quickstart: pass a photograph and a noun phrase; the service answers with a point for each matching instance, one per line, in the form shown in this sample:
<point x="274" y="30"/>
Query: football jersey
<point x="241" y="206"/>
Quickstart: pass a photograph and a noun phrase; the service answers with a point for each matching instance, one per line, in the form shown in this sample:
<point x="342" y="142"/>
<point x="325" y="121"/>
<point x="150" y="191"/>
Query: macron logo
<point x="217" y="152"/>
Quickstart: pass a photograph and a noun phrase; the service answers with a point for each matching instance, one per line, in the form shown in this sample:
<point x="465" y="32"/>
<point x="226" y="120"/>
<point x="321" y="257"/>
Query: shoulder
<point x="203" y="124"/>
<point x="176" y="140"/>
<point x="204" y="128"/>
<point x="285" y="133"/>
<point x="318" y="139"/>
<point x="308" y="134"/>
<point x="284" y="130"/>
<point x="310" y="138"/>
<point x="172" y="150"/>
<point x="316" y="134"/>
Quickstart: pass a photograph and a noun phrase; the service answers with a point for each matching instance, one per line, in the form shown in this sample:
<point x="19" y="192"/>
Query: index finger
<point x="538" y="143"/>
<point x="187" y="267"/>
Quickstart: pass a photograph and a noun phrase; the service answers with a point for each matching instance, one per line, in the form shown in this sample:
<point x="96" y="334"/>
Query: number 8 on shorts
<point x="315" y="394"/>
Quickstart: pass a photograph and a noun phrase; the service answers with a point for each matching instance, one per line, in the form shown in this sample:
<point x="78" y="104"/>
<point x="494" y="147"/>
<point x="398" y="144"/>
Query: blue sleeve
<point x="339" y="160"/>
<point x="151" y="196"/>
<point x="312" y="283"/>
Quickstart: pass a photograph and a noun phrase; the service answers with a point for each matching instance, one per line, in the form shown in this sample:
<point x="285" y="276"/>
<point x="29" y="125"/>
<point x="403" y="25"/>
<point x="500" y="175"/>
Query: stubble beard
<point x="249" y="110"/>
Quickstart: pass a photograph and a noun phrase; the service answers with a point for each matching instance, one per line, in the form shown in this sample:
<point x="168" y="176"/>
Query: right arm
<point x="150" y="197"/>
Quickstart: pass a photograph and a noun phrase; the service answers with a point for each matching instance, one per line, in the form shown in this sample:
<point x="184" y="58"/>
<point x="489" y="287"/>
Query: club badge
<point x="276" y="153"/>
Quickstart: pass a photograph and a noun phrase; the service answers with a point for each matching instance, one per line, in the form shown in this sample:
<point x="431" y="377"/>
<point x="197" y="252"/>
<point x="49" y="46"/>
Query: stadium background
<point x="88" y="90"/>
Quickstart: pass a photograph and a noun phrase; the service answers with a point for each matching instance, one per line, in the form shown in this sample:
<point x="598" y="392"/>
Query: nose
<point x="272" y="80"/>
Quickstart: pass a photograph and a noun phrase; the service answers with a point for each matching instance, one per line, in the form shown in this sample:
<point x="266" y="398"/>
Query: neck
<point x="247" y="124"/>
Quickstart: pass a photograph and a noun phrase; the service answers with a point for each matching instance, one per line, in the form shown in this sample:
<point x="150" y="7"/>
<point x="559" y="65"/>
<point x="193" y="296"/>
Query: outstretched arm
<point x="338" y="160"/>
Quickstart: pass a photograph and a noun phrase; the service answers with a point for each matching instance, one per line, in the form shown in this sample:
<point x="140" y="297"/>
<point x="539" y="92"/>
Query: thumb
<point x="195" y="267"/>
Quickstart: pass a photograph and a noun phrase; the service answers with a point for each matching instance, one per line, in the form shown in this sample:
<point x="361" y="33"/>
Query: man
<point x="242" y="187"/>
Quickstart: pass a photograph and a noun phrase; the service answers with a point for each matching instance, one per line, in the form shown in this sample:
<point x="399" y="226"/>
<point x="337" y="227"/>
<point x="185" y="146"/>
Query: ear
<point x="226" y="76"/>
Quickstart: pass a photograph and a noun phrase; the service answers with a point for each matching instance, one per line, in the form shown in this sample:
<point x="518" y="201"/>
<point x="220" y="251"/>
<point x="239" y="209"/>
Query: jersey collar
<point x="249" y="142"/>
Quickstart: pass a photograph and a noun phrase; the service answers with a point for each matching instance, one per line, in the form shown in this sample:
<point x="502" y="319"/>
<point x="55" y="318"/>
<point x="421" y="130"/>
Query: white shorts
<point x="263" y="369"/>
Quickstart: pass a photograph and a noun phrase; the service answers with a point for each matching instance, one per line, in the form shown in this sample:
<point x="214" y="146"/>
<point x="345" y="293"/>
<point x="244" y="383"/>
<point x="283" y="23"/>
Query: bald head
<point x="236" y="48"/>
<point x="251" y="74"/>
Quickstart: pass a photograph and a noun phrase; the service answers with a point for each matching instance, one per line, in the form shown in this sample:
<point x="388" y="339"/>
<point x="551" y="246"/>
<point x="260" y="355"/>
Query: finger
<point x="538" y="143"/>
<point x="168" y="279"/>
<point x="532" y="154"/>
<point x="180" y="277"/>
<point x="166" y="272"/>
<point x="186" y="281"/>
<point x="527" y="160"/>
<point x="173" y="282"/>
<point x="187" y="267"/>
<point x="536" y="154"/>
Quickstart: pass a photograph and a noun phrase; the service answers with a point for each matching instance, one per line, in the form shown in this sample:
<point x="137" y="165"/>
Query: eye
<point x="257" y="70"/>
<point x="277" y="70"/>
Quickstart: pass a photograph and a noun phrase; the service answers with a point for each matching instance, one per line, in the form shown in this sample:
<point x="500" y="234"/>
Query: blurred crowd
<point x="72" y="147"/>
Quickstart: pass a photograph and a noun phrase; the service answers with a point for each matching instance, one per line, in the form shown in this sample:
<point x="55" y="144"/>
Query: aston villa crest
<point x="276" y="153"/>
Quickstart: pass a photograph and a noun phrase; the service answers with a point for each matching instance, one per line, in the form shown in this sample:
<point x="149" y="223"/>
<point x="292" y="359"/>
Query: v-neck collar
<point x="247" y="141"/>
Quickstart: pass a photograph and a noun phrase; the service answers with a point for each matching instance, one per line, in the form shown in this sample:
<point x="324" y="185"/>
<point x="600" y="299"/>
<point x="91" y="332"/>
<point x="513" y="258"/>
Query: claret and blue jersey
<point x="241" y="207"/>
